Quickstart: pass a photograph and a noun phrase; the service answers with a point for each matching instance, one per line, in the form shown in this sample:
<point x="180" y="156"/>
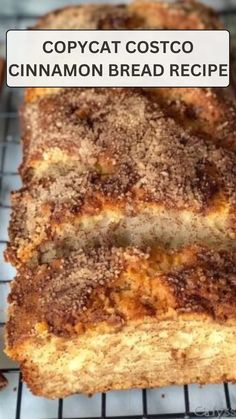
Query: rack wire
<point x="149" y="407"/>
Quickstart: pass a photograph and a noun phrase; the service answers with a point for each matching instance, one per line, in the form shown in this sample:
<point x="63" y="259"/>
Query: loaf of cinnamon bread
<point x="124" y="232"/>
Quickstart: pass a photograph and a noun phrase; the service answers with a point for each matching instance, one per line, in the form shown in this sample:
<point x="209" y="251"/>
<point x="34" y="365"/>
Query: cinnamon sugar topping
<point x="122" y="136"/>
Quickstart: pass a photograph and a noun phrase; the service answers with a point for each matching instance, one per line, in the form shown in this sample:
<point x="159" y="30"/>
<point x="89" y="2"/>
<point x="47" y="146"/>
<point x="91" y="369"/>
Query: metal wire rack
<point x="16" y="401"/>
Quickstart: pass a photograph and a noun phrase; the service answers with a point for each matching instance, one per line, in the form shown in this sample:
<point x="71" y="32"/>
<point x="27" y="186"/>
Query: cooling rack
<point x="16" y="402"/>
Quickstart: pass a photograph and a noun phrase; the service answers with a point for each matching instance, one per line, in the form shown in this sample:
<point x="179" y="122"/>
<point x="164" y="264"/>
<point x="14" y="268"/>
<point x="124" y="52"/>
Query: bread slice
<point x="51" y="219"/>
<point x="72" y="129"/>
<point x="205" y="112"/>
<point x="118" y="319"/>
<point x="208" y="112"/>
<point x="110" y="165"/>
